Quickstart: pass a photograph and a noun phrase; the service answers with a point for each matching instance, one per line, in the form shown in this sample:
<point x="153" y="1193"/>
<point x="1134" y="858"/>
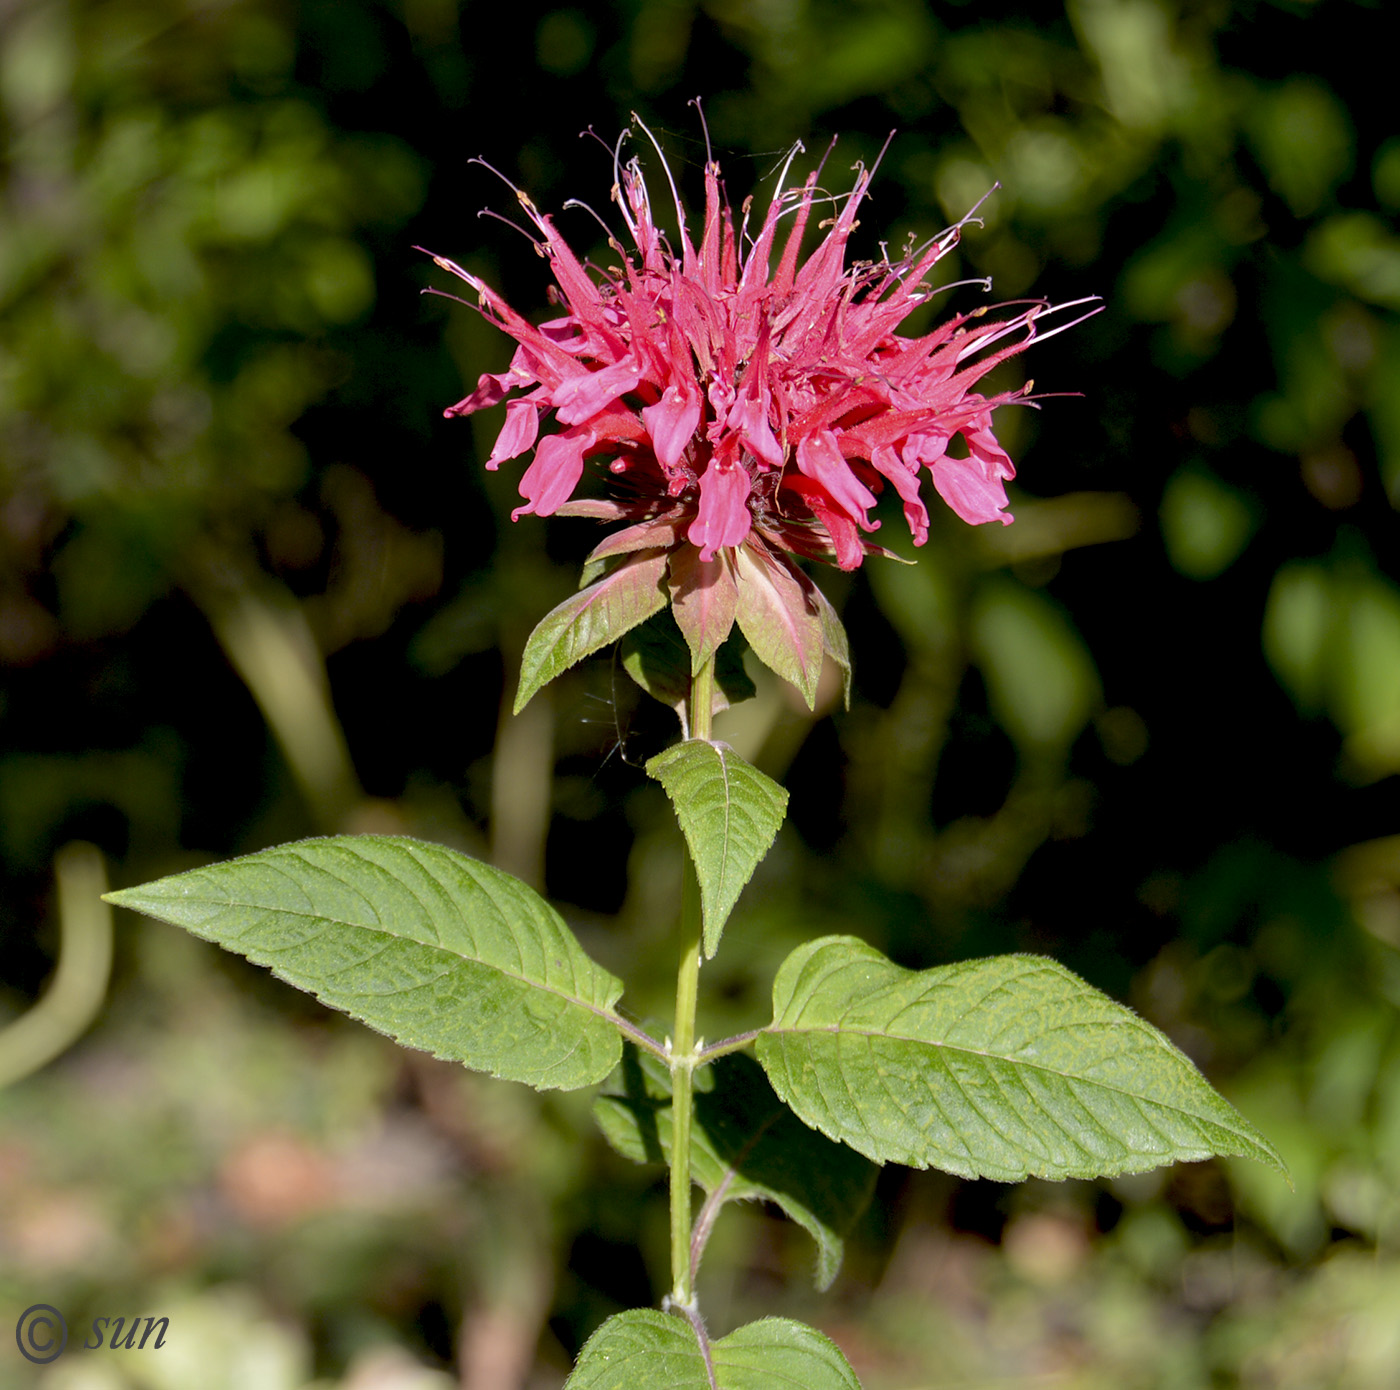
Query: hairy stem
<point x="701" y="705"/>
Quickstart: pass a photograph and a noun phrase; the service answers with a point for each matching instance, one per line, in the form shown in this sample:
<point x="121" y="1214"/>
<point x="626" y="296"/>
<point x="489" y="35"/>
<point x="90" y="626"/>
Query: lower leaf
<point x="646" y="1350"/>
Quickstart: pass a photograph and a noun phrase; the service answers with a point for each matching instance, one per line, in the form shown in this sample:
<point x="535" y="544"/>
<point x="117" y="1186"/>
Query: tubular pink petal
<point x="723" y="515"/>
<point x="491" y="389"/>
<point x="819" y="456"/>
<point x="749" y="417"/>
<point x="554" y="472"/>
<point x="845" y="540"/>
<point x="714" y="393"/>
<point x="588" y="392"/>
<point x="521" y="429"/>
<point x="973" y="492"/>
<point x="672" y="422"/>
<point x="983" y="445"/>
<point x="906" y="484"/>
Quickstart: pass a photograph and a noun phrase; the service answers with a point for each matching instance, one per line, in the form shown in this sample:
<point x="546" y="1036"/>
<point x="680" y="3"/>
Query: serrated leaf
<point x="420" y="942"/>
<point x="655" y="655"/>
<point x="774" y="616"/>
<point x="1003" y="1068"/>
<point x="590" y="619"/>
<point x="646" y="1350"/>
<point x="729" y="813"/>
<point x="746" y="1145"/>
<point x="703" y="600"/>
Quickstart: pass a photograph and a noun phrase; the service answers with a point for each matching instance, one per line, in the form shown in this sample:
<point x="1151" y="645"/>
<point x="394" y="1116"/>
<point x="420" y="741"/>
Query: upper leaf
<point x="646" y="1350"/>
<point x="729" y="813"/>
<point x="745" y="1145"/>
<point x="1002" y="1068"/>
<point x="433" y="948"/>
<point x="590" y="619"/>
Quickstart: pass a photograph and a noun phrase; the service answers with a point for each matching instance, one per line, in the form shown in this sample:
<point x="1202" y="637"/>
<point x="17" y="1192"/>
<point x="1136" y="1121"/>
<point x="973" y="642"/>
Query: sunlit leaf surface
<point x="1005" y="1068"/>
<point x="433" y="948"/>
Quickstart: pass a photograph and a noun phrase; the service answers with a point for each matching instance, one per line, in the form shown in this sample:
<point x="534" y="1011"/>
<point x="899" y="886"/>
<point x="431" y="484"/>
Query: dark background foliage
<point x="253" y="587"/>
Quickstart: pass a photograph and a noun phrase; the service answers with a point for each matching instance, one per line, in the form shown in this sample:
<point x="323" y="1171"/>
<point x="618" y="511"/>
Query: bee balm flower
<point x="753" y="397"/>
<point x="750" y="403"/>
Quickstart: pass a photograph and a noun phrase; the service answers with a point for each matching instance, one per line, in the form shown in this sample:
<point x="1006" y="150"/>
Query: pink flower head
<point x="742" y="388"/>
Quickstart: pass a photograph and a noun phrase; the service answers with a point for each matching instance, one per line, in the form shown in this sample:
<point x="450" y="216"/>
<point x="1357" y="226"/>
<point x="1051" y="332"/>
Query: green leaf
<point x="746" y="1145"/>
<point x="420" y="942"/>
<point x="1002" y="1068"/>
<point x="729" y="813"/>
<point x="646" y="1350"/>
<point x="591" y="619"/>
<point x="655" y="655"/>
<point x="774" y="615"/>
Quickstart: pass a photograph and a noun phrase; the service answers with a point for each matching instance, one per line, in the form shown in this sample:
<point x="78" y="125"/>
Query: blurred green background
<point x="253" y="587"/>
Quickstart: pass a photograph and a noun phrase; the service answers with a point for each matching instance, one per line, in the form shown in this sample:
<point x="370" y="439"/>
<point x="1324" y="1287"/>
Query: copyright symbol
<point x="41" y="1334"/>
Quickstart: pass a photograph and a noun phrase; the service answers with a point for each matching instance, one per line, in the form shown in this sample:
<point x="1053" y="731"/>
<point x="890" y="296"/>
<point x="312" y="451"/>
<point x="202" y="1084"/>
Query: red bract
<point x="747" y="398"/>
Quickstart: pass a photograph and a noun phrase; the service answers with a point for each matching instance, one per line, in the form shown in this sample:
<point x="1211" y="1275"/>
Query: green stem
<point x="702" y="700"/>
<point x="699" y="712"/>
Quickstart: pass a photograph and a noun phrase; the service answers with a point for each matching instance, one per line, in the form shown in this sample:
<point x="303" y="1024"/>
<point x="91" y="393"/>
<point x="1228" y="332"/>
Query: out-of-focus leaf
<point x="422" y="943"/>
<point x="1040" y="677"/>
<point x="1358" y="252"/>
<point x="1297" y="620"/>
<point x="1004" y="1068"/>
<point x="1303" y="138"/>
<point x="1383" y="409"/>
<point x="1332" y="635"/>
<point x="1204" y="523"/>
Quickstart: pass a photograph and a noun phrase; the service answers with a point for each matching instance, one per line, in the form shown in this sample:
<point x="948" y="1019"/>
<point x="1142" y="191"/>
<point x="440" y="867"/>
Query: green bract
<point x="784" y="630"/>
<point x="592" y="618"/>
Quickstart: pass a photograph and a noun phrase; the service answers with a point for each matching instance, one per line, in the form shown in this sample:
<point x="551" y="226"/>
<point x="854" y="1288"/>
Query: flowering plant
<point x="748" y="416"/>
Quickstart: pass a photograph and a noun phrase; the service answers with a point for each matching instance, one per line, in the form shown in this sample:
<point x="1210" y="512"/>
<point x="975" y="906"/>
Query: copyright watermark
<point x="42" y="1333"/>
